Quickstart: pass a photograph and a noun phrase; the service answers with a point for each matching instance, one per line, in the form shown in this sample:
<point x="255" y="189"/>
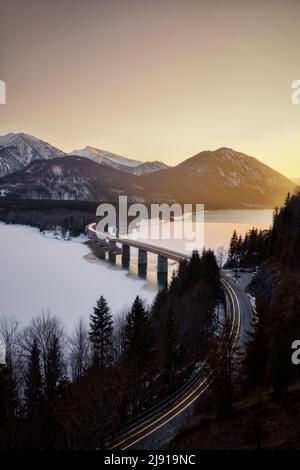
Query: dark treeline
<point x="69" y="216"/>
<point x="248" y="251"/>
<point x="277" y="324"/>
<point x="276" y="285"/>
<point x="256" y="394"/>
<point x="280" y="241"/>
<point x="74" y="393"/>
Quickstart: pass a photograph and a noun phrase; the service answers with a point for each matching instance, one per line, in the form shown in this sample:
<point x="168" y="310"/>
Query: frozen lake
<point x="39" y="273"/>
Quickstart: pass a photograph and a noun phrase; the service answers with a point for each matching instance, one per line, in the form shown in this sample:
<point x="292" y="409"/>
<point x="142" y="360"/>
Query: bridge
<point x="109" y="242"/>
<point x="153" y="426"/>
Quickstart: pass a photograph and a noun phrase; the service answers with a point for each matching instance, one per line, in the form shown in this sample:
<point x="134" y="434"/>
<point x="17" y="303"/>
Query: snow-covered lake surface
<point x="41" y="273"/>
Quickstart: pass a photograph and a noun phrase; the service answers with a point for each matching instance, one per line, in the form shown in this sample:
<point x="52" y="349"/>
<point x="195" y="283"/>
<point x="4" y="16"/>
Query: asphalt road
<point x="158" y="430"/>
<point x="240" y="285"/>
<point x="155" y="429"/>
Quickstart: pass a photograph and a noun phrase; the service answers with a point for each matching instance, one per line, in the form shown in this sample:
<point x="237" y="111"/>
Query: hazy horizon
<point x="161" y="80"/>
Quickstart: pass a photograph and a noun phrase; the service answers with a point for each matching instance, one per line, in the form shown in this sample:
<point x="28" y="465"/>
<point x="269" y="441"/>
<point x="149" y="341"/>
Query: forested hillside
<point x="60" y="392"/>
<point x="264" y="412"/>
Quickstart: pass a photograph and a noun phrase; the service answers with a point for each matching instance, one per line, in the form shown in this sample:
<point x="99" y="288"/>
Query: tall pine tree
<point x="9" y="404"/>
<point x="170" y="343"/>
<point x="138" y="351"/>
<point x="54" y="368"/>
<point x="233" y="249"/>
<point x="33" y="387"/>
<point x="101" y="335"/>
<point x="137" y="333"/>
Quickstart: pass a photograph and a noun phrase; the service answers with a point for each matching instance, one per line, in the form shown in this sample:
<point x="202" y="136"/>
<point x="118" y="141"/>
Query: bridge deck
<point x="165" y="252"/>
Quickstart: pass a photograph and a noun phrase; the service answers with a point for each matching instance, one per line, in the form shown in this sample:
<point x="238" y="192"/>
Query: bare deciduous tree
<point x="79" y="345"/>
<point x="9" y="331"/>
<point x="221" y="253"/>
<point x="45" y="329"/>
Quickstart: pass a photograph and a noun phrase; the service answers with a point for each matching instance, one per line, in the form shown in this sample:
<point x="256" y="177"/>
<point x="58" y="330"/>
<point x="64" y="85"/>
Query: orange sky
<point x="154" y="80"/>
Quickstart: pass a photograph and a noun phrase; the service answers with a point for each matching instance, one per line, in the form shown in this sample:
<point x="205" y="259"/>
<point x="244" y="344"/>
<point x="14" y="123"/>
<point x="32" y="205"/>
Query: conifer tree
<point x="9" y="404"/>
<point x="137" y="332"/>
<point x="54" y="368"/>
<point x="33" y="387"/>
<point x="195" y="266"/>
<point x="170" y="340"/>
<point x="210" y="269"/>
<point x="101" y="335"/>
<point x="138" y="351"/>
<point x="233" y="249"/>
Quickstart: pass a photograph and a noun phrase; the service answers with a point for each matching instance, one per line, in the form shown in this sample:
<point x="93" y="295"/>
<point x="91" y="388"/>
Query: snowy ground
<point x="42" y="273"/>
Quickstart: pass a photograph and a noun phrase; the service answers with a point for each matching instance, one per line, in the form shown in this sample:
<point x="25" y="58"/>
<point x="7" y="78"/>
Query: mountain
<point x="296" y="180"/>
<point x="18" y="150"/>
<point x="106" y="158"/>
<point x="222" y="179"/>
<point x="76" y="178"/>
<point x="117" y="161"/>
<point x="148" y="167"/>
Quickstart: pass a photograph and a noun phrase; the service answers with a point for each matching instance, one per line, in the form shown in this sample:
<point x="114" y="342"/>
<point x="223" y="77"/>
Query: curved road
<point x="161" y="423"/>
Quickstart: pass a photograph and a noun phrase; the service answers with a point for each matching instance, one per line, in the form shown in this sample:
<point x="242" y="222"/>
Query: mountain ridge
<point x="105" y="157"/>
<point x="219" y="179"/>
<point x="119" y="162"/>
<point x="73" y="178"/>
<point x="223" y="178"/>
<point x="17" y="150"/>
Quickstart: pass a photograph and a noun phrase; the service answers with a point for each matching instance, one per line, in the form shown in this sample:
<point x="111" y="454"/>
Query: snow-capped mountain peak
<point x="17" y="150"/>
<point x="106" y="158"/>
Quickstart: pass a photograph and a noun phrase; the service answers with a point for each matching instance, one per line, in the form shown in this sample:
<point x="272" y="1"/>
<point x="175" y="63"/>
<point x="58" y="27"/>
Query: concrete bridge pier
<point x="142" y="257"/>
<point x="112" y="251"/>
<point x="103" y="247"/>
<point x="162" y="264"/>
<point x="125" y="255"/>
<point x="142" y="263"/>
<point x="142" y="270"/>
<point x="102" y="242"/>
<point x="111" y="246"/>
<point x="162" y="270"/>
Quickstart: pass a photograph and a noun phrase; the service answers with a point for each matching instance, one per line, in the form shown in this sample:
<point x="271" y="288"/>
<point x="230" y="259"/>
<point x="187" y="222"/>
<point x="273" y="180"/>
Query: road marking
<point x="234" y="302"/>
<point x="189" y="403"/>
<point x="161" y="417"/>
<point x="172" y="417"/>
<point x="238" y="307"/>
